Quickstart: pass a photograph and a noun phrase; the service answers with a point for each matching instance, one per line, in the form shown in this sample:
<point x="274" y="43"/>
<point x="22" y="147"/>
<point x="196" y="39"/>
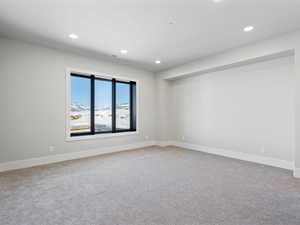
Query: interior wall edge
<point x="260" y="49"/>
<point x="271" y="56"/>
<point x="297" y="172"/>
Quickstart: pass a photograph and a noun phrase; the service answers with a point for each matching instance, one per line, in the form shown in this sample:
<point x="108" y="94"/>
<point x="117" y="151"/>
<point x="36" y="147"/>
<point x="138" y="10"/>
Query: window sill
<point x="100" y="136"/>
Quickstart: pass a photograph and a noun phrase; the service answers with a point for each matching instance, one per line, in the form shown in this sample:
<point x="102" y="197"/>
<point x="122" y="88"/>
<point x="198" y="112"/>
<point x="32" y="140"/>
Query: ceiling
<point x="173" y="31"/>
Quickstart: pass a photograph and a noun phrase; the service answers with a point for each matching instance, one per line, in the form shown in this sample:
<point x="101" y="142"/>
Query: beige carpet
<point x="150" y="186"/>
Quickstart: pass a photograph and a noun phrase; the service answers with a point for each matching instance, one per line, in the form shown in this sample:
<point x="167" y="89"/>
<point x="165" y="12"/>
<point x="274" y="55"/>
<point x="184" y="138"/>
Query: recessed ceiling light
<point x="248" y="28"/>
<point x="217" y="1"/>
<point x="123" y="51"/>
<point x="73" y="36"/>
<point x="157" y="61"/>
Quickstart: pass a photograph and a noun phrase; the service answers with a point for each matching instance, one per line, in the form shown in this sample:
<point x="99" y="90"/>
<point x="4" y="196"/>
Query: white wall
<point x="33" y="94"/>
<point x="287" y="44"/>
<point x="247" y="109"/>
<point x="163" y="111"/>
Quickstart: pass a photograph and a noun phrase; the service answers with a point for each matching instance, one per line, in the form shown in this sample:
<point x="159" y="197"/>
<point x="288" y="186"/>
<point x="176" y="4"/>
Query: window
<point x="80" y="118"/>
<point x="122" y="106"/>
<point x="101" y="105"/>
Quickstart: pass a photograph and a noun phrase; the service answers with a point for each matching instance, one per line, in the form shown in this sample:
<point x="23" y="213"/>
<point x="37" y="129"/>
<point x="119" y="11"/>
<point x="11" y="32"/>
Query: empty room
<point x="147" y="112"/>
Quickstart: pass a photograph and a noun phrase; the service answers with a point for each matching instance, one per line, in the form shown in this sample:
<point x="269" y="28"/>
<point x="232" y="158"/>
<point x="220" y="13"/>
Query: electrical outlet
<point x="183" y="138"/>
<point x="146" y="137"/>
<point x="51" y="149"/>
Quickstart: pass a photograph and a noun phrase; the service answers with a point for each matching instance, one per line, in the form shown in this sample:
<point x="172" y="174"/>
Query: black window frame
<point x="132" y="106"/>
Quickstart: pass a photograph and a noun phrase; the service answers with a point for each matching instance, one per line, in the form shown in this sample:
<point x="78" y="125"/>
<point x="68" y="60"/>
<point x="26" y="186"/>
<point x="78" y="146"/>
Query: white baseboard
<point x="20" y="164"/>
<point x="239" y="155"/>
<point x="164" y="143"/>
<point x="297" y="172"/>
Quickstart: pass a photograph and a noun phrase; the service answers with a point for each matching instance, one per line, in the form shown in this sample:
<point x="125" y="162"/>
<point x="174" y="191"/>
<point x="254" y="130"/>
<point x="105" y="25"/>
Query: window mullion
<point x="131" y="106"/>
<point x="92" y="104"/>
<point x="113" y="114"/>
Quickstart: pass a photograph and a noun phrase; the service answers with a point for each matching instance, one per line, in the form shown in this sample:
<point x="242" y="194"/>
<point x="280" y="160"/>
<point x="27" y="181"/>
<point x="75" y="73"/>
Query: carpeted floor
<point x="150" y="186"/>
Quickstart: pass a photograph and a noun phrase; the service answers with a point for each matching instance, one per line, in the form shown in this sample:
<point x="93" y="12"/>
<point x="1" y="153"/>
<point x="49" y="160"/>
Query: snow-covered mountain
<point x="78" y="107"/>
<point x="80" y="118"/>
